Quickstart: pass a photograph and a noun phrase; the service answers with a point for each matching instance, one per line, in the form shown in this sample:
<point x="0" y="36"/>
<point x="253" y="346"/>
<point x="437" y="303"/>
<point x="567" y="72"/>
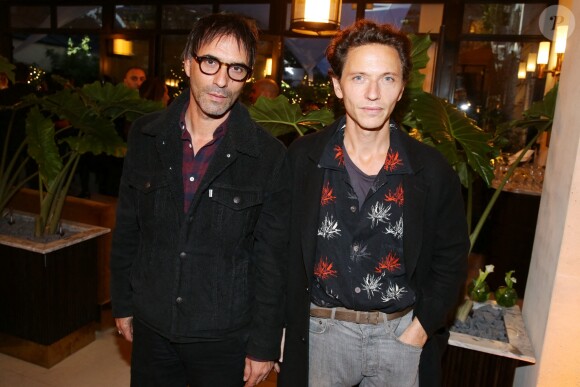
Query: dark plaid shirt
<point x="195" y="165"/>
<point x="359" y="263"/>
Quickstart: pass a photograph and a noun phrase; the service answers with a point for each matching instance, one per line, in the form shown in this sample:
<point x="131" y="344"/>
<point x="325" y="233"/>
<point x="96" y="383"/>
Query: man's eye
<point x="238" y="69"/>
<point x="210" y="61"/>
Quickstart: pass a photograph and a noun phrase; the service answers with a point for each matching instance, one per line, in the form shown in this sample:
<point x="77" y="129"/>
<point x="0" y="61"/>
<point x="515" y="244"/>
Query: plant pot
<point x="48" y="294"/>
<point x="479" y="293"/>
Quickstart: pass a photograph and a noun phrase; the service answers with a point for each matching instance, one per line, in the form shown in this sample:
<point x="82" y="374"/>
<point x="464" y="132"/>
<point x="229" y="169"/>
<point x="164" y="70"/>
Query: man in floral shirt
<point x="379" y="239"/>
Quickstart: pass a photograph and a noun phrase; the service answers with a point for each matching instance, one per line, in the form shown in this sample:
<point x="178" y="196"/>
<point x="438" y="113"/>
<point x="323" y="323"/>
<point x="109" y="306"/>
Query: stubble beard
<point x="211" y="108"/>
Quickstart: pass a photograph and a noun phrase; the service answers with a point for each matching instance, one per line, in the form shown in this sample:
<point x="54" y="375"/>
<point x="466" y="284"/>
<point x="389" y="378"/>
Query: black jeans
<point x="157" y="362"/>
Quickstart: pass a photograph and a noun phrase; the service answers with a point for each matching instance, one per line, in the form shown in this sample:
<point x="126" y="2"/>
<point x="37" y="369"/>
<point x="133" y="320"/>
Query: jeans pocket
<point x="401" y="325"/>
<point x="409" y="346"/>
<point x="319" y="325"/>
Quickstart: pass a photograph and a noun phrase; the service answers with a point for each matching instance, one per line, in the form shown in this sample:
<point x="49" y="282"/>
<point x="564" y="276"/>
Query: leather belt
<point x="355" y="316"/>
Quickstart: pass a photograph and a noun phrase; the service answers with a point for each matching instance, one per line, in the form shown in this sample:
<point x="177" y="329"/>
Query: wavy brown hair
<point x="365" y="32"/>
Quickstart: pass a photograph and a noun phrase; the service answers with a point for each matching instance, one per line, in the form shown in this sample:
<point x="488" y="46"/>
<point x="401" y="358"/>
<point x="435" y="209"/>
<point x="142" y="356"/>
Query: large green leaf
<point x="449" y="127"/>
<point x="112" y="101"/>
<point x="544" y="108"/>
<point x="42" y="146"/>
<point x="279" y="116"/>
<point x="99" y="136"/>
<point x="419" y="58"/>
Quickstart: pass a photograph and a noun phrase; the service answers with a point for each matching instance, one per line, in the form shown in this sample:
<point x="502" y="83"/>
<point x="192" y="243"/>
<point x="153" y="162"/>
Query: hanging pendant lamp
<point x="315" y="17"/>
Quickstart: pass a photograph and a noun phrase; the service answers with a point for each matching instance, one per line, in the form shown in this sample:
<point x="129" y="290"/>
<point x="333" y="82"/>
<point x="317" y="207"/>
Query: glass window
<point x="258" y="12"/>
<point x="487" y="82"/>
<point x="305" y="72"/>
<point x="73" y="57"/>
<point x="171" y="68"/>
<point x="116" y="65"/>
<point x="133" y="17"/>
<point x="30" y="17"/>
<point x="347" y="15"/>
<point x="80" y="17"/>
<point x="183" y="16"/>
<point x="410" y="18"/>
<point x="509" y="19"/>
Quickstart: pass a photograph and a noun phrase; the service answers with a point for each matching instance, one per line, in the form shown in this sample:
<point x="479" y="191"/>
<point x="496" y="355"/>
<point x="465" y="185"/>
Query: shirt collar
<point x="396" y="162"/>
<point x="218" y="133"/>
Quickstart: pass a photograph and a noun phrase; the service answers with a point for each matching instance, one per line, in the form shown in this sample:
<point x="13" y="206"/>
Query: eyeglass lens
<point x="210" y="66"/>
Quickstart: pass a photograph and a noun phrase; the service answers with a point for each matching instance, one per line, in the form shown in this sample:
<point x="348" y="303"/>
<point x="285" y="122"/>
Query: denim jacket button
<point x="179" y="300"/>
<point x="237" y="199"/>
<point x="148" y="185"/>
<point x="182" y="254"/>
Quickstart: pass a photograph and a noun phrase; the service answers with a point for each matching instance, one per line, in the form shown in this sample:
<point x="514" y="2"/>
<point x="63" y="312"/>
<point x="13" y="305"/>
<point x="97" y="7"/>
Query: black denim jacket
<point x="219" y="268"/>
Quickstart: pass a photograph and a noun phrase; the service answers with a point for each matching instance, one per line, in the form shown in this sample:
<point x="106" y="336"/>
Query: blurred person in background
<point x="134" y="77"/>
<point x="155" y="89"/>
<point x="264" y="87"/>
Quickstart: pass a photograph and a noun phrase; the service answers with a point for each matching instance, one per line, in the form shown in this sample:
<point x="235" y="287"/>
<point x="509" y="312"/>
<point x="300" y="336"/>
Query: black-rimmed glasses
<point x="209" y="65"/>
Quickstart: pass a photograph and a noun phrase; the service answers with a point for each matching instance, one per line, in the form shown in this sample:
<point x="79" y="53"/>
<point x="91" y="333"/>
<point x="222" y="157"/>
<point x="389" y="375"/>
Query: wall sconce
<point x="315" y="17"/>
<point x="560" y="46"/>
<point x="122" y="47"/>
<point x="268" y="68"/>
<point x="543" y="57"/>
<point x="531" y="64"/>
<point x="522" y="70"/>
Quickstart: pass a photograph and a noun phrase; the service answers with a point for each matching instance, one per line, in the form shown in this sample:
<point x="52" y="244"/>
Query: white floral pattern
<point x="395" y="230"/>
<point x="371" y="284"/>
<point x="329" y="228"/>
<point x="394" y="292"/>
<point x="379" y="214"/>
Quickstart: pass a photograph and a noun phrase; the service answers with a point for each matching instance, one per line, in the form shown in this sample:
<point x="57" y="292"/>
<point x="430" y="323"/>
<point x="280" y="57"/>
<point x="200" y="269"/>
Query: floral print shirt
<point x="359" y="263"/>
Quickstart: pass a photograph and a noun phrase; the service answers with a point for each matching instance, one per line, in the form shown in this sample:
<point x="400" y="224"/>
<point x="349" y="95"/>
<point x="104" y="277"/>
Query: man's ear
<point x="337" y="87"/>
<point x="187" y="66"/>
<point x="401" y="94"/>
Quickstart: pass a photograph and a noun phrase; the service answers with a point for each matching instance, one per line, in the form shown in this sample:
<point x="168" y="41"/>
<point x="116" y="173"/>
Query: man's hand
<point x="256" y="372"/>
<point x="125" y="327"/>
<point x="414" y="335"/>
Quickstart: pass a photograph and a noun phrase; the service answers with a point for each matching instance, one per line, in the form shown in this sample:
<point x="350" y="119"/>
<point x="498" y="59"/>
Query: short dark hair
<point x="213" y="26"/>
<point x="153" y="89"/>
<point x="365" y="32"/>
<point x="135" y="68"/>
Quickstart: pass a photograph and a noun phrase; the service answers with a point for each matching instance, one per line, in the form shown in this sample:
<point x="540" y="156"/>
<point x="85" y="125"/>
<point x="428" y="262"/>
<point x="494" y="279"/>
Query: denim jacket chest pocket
<point x="235" y="209"/>
<point x="152" y="196"/>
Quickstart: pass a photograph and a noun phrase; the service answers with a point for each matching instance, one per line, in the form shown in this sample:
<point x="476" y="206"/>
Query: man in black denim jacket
<point x="198" y="260"/>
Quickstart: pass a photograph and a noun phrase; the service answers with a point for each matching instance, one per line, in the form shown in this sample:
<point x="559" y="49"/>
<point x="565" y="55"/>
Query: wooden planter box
<point x="87" y="211"/>
<point x="48" y="295"/>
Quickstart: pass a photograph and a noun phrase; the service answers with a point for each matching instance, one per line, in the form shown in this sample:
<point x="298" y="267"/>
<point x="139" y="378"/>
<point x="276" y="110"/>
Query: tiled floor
<point x="103" y="363"/>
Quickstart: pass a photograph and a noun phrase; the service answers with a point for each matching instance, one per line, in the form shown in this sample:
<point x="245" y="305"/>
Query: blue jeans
<point x="344" y="354"/>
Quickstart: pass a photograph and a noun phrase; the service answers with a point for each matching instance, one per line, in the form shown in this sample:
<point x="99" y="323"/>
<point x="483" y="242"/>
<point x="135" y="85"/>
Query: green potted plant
<point x="478" y="290"/>
<point x="48" y="285"/>
<point x="87" y="116"/>
<point x="507" y="296"/>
